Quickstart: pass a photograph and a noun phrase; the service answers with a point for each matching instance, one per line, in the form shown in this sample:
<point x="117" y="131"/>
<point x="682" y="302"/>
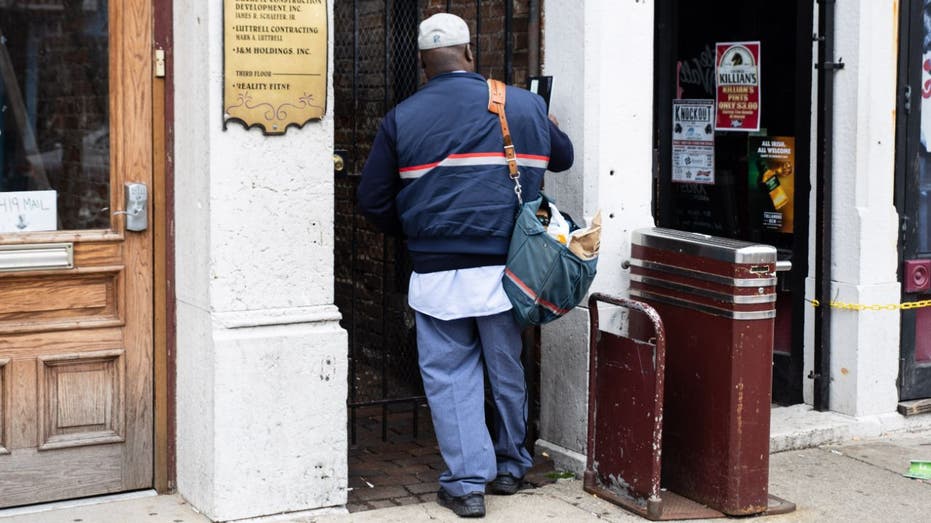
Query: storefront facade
<point x="203" y="352"/>
<point x="850" y="367"/>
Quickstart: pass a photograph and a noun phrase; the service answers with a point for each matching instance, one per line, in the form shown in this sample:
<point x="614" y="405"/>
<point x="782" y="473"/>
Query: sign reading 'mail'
<point x="737" y="75"/>
<point x="25" y="211"/>
<point x="274" y="63"/>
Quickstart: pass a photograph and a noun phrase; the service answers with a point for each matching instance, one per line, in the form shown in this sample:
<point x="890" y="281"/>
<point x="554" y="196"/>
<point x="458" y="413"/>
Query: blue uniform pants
<point x="451" y="355"/>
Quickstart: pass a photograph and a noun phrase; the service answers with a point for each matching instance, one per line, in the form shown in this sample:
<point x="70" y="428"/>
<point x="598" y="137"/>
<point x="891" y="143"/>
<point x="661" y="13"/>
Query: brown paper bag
<point x="586" y="242"/>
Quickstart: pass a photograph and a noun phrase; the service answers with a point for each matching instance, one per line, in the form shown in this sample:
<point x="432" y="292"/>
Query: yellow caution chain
<point x="863" y="307"/>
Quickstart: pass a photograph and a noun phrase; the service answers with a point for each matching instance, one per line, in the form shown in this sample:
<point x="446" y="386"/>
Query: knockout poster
<point x="693" y="141"/>
<point x="771" y="182"/>
<point x="737" y="92"/>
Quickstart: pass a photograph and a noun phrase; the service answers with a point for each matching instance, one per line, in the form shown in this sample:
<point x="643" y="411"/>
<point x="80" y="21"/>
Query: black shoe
<point x="505" y="484"/>
<point x="468" y="506"/>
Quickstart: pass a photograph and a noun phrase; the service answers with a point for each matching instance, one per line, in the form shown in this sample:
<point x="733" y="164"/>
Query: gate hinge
<point x="830" y="66"/>
<point x="903" y="231"/>
<point x="160" y="63"/>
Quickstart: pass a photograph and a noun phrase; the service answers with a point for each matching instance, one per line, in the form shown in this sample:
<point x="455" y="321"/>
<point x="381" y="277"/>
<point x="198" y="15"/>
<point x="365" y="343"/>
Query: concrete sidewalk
<point x="858" y="480"/>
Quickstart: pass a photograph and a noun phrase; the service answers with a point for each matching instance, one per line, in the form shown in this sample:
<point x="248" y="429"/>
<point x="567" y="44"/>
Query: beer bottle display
<point x="776" y="193"/>
<point x="771" y="169"/>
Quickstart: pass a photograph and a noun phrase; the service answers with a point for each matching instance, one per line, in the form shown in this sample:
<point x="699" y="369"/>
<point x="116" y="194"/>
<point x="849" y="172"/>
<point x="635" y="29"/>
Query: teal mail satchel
<point x="543" y="278"/>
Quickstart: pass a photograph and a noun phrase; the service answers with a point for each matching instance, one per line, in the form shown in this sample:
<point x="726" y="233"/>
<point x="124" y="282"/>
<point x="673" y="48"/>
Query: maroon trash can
<point x="716" y="298"/>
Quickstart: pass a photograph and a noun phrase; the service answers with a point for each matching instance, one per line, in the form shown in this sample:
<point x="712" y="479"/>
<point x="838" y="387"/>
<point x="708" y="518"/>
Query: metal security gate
<point x="375" y="67"/>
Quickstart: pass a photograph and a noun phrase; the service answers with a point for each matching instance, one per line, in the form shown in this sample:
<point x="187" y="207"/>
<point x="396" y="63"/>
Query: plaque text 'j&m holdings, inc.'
<point x="275" y="62"/>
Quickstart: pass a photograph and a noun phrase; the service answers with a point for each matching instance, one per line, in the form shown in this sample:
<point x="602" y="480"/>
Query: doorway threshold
<point x="75" y="503"/>
<point x="800" y="426"/>
<point x="913" y="407"/>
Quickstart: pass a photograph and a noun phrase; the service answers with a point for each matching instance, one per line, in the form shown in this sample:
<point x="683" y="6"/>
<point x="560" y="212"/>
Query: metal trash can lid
<point x="704" y="245"/>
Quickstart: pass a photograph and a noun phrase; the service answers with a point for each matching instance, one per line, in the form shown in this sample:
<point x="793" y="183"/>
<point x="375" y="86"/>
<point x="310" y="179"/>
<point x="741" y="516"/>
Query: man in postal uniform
<point x="437" y="174"/>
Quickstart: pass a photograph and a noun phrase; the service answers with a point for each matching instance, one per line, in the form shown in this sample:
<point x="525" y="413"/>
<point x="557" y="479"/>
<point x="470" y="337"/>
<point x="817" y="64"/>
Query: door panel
<point x="913" y="193"/>
<point x="76" y="343"/>
<point x="736" y="204"/>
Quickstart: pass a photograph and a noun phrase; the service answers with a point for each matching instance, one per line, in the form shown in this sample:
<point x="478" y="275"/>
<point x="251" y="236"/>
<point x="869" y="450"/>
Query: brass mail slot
<point x="36" y="256"/>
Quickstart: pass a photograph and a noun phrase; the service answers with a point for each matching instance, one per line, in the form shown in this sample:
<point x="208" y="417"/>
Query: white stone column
<point x="601" y="55"/>
<point x="262" y="361"/>
<point x="864" y="345"/>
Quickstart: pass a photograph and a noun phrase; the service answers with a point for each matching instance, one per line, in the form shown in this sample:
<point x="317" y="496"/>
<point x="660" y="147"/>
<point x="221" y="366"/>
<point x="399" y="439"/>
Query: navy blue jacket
<point x="437" y="173"/>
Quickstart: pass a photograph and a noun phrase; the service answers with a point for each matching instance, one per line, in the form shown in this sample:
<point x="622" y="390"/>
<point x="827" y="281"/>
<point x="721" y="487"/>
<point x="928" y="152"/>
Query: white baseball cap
<point x="442" y="30"/>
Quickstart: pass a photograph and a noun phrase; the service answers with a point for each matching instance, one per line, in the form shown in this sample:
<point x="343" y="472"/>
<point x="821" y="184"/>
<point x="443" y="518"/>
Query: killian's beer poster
<point x="737" y="77"/>
<point x="693" y="141"/>
<point x="771" y="170"/>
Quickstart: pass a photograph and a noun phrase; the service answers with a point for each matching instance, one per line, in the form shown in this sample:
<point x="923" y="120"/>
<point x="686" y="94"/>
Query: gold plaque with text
<point x="275" y="62"/>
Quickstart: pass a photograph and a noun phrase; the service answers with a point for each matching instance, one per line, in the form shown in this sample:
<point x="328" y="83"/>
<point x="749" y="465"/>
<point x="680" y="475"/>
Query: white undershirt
<point x="462" y="293"/>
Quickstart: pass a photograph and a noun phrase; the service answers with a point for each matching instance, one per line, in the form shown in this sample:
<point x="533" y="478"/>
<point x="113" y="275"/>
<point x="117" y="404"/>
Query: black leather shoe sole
<point x="505" y="485"/>
<point x="468" y="506"/>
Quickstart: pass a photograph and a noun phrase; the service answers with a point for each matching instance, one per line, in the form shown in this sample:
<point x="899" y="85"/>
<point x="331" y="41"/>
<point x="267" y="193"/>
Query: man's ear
<point x="468" y="53"/>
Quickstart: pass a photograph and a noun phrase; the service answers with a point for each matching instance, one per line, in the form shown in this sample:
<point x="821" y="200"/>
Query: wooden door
<point x="76" y="295"/>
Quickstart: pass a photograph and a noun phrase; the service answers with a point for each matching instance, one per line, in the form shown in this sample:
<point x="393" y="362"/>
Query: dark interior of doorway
<point x="913" y="202"/>
<point x="393" y="455"/>
<point x="686" y="34"/>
